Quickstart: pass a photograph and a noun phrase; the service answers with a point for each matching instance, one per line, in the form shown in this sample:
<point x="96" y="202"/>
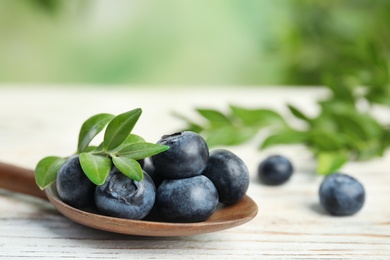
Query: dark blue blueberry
<point x="149" y="168"/>
<point x="229" y="175"/>
<point x="186" y="157"/>
<point x="73" y="186"/>
<point x="141" y="162"/>
<point x="191" y="199"/>
<point x="275" y="170"/>
<point x="123" y="197"/>
<point x="341" y="194"/>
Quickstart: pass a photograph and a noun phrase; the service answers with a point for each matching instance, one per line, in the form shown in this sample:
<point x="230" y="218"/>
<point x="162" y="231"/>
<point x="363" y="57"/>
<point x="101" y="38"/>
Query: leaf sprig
<point x="340" y="132"/>
<point x="120" y="148"/>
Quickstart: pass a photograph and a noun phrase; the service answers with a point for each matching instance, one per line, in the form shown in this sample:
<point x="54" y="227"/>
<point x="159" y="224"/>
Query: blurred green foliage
<point x="332" y="37"/>
<point x="230" y="42"/>
<point x="343" y="130"/>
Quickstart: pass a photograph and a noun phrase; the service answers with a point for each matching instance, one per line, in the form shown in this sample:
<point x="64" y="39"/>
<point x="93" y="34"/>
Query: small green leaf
<point x="141" y="150"/>
<point x="382" y="98"/>
<point x="329" y="162"/>
<point x="131" y="139"/>
<point x="259" y="117"/>
<point x="129" y="167"/>
<point x="331" y="107"/>
<point x="96" y="167"/>
<point x="119" y="128"/>
<point x="90" y="149"/>
<point x="285" y="137"/>
<point x="297" y="113"/>
<point x="370" y="150"/>
<point x="324" y="121"/>
<point x="214" y="116"/>
<point x="191" y="126"/>
<point x="229" y="135"/>
<point x="325" y="141"/>
<point x="46" y="170"/>
<point x="386" y="139"/>
<point x="361" y="126"/>
<point x="340" y="88"/>
<point x="90" y="128"/>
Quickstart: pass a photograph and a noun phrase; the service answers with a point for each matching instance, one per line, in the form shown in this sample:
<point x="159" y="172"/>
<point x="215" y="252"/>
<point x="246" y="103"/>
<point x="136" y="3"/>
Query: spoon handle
<point x="20" y="180"/>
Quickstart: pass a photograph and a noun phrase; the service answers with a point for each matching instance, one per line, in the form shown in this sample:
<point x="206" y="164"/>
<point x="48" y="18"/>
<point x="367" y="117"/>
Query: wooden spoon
<point x="22" y="180"/>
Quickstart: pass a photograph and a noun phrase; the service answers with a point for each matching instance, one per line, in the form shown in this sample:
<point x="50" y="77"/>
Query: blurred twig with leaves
<point x="331" y="36"/>
<point x="343" y="130"/>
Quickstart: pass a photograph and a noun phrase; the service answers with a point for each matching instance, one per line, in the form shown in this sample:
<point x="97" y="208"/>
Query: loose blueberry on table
<point x="275" y="170"/>
<point x="341" y="194"/>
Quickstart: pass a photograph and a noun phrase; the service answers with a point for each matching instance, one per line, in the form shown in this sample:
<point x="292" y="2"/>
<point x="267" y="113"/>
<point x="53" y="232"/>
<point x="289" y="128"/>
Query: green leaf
<point x="119" y="128"/>
<point x="194" y="128"/>
<point x="215" y="117"/>
<point x="142" y="150"/>
<point x="297" y="113"/>
<point x="191" y="126"/>
<point x="369" y="150"/>
<point x="386" y="139"/>
<point x="90" y="149"/>
<point x="90" y="128"/>
<point x="46" y="170"/>
<point x="258" y="117"/>
<point x="331" y="107"/>
<point x="229" y="135"/>
<point x="361" y="126"/>
<point x="329" y="162"/>
<point x="324" y="121"/>
<point x="129" y="167"/>
<point x="340" y="88"/>
<point x="131" y="139"/>
<point x="379" y="97"/>
<point x="285" y="137"/>
<point x="96" y="167"/>
<point x="325" y="141"/>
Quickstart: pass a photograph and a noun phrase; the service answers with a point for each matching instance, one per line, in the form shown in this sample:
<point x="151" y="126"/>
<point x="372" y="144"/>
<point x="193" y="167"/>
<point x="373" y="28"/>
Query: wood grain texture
<point x="290" y="223"/>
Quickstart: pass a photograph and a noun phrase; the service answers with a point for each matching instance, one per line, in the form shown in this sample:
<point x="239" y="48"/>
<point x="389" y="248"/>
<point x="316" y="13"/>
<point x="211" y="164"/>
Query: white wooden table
<point x="37" y="121"/>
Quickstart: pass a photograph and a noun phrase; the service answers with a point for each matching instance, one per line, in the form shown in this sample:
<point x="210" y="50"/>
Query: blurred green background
<point x="230" y="42"/>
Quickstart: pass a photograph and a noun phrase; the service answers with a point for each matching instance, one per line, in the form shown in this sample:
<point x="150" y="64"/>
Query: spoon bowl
<point x="226" y="216"/>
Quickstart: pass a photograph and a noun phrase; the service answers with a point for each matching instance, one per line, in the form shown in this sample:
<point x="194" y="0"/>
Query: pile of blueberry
<point x="183" y="184"/>
<point x="187" y="182"/>
<point x="340" y="194"/>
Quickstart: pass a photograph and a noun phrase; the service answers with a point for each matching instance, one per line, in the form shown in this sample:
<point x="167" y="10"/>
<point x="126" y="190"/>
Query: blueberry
<point x="229" y="175"/>
<point x="73" y="186"/>
<point x="275" y="170"/>
<point x="341" y="194"/>
<point x="191" y="199"/>
<point x="123" y="197"/>
<point x="149" y="168"/>
<point x="186" y="157"/>
<point x="141" y="162"/>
